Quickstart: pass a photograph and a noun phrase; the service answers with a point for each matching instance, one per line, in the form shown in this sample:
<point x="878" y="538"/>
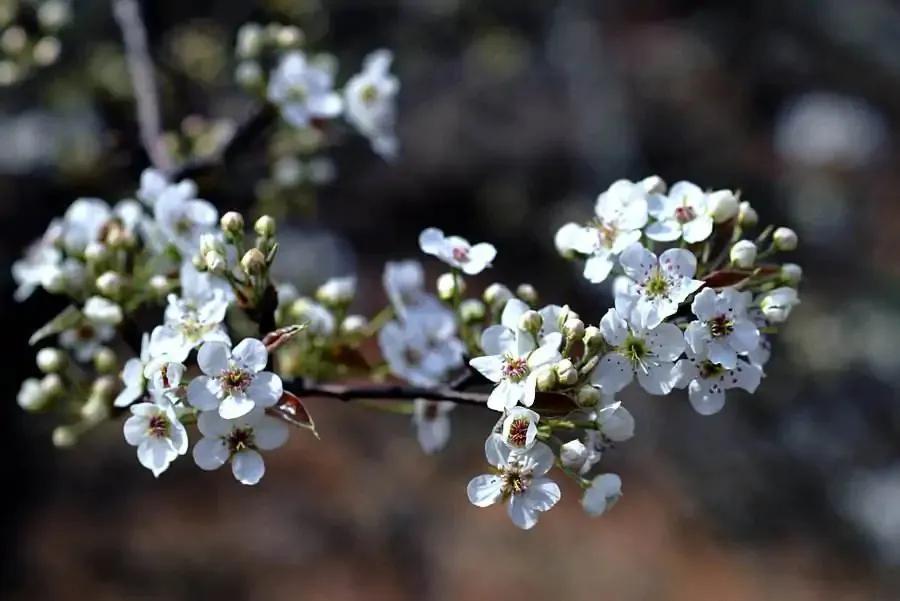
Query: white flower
<point x="182" y="220"/>
<point x="707" y="382"/>
<point x="660" y="284"/>
<point x="86" y="339"/>
<point x="41" y="265"/>
<point x="456" y="251"/>
<point x="370" y="100"/>
<point x="519" y="429"/>
<point x="513" y="360"/>
<point x="133" y="376"/>
<point x="520" y="482"/>
<point x="337" y="291"/>
<point x="158" y="435"/>
<point x="102" y="311"/>
<point x="552" y="319"/>
<point x="83" y="223"/>
<point x="785" y="239"/>
<point x="303" y="91"/>
<point x="423" y="348"/>
<point x="188" y="325"/>
<point x="723" y="205"/>
<point x="154" y="183"/>
<point x="200" y="287"/>
<point x="432" y="424"/>
<point x="234" y="383"/>
<point x="568" y="238"/>
<point x="605" y="491"/>
<point x="724" y="328"/>
<point x="683" y="213"/>
<point x="648" y="353"/>
<point x="404" y="283"/>
<point x="164" y="380"/>
<point x="621" y="214"/>
<point x="238" y="441"/>
<point x="778" y="304"/>
<point x="743" y="254"/>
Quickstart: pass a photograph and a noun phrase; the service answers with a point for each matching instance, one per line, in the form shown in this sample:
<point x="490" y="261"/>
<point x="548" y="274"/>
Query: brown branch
<point x="143" y="81"/>
<point x="392" y="392"/>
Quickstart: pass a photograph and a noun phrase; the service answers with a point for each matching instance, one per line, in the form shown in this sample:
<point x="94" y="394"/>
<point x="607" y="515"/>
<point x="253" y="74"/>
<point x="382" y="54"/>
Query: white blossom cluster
<point x="696" y="302"/>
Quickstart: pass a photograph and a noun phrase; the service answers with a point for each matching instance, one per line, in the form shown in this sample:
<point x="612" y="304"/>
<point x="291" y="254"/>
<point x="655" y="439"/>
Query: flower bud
<point x="354" y="325"/>
<point x="531" y="321"/>
<point x="573" y="455"/>
<point x="792" y="273"/>
<point x="209" y="243"/>
<point x="449" y="286"/>
<point x="723" y="205"/>
<point x="53" y="14"/>
<point x="593" y="339"/>
<point x="747" y="216"/>
<point x="265" y="227"/>
<point x="95" y="409"/>
<point x="337" y="291"/>
<point x="51" y="360"/>
<point x="527" y="293"/>
<point x="248" y="74"/>
<point x="653" y="185"/>
<point x="232" y="223"/>
<point x="743" y="254"/>
<point x="249" y="41"/>
<point x="778" y="304"/>
<point x="588" y="396"/>
<point x="99" y="310"/>
<point x="110" y="284"/>
<point x="105" y="360"/>
<point x="471" y="310"/>
<point x="566" y="373"/>
<point x="253" y="262"/>
<point x="57" y="282"/>
<point x="785" y="239"/>
<point x="546" y="378"/>
<point x="496" y="295"/>
<point x="289" y="36"/>
<point x="566" y="240"/>
<point x="52" y="386"/>
<point x="64" y="437"/>
<point x="160" y="285"/>
<point x="31" y="395"/>
<point x="104" y="387"/>
<point x="215" y="262"/>
<point x="573" y="328"/>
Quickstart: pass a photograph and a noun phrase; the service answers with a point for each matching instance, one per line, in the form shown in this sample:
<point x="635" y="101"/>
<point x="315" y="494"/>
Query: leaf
<point x="730" y="277"/>
<point x="275" y="339"/>
<point x="292" y="410"/>
<point x="69" y="318"/>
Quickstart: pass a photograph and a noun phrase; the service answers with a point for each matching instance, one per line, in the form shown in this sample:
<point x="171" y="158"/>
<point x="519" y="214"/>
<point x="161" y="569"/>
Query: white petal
<point x="696" y="336"/>
<point x="543" y="494"/>
<point x="637" y="262"/>
<point x="521" y="514"/>
<point x="664" y="231"/>
<point x="135" y="429"/>
<point x="213" y="358"/>
<point x="722" y="354"/>
<point x="613" y="328"/>
<point x="155" y="454"/>
<point x="491" y="367"/>
<point x="548" y="353"/>
<point x="270" y="433"/>
<point x="212" y="425"/>
<point x="745" y="337"/>
<point x="745" y="376"/>
<point x="602" y="495"/>
<point x="685" y="372"/>
<point x="431" y="241"/>
<point x="678" y="262"/>
<point x="542" y="457"/>
<point x="598" y="267"/>
<point x="202" y="393"/>
<point x="505" y="396"/>
<point x="266" y="389"/>
<point x="706" y="399"/>
<point x="251" y="354"/>
<point x="495" y="450"/>
<point x="698" y="230"/>
<point x="248" y="467"/>
<point x="480" y="256"/>
<point x="613" y="373"/>
<point x="666" y="341"/>
<point x="658" y="379"/>
<point x="512" y="312"/>
<point x="498" y="340"/>
<point x="235" y="406"/>
<point x="705" y="305"/>
<point x="485" y="490"/>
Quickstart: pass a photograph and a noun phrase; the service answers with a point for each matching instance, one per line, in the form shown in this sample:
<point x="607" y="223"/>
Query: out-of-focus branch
<point x="143" y="80"/>
<point x="390" y="393"/>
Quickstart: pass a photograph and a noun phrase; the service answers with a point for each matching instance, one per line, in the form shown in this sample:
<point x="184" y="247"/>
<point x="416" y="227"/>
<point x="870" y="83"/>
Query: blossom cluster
<point x="234" y="352"/>
<point x="29" y="31"/>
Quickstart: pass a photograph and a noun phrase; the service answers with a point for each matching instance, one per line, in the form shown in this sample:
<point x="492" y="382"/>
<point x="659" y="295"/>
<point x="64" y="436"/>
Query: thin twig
<point x="390" y="393"/>
<point x="143" y="80"/>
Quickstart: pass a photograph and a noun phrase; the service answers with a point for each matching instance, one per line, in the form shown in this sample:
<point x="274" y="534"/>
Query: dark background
<point x="513" y="117"/>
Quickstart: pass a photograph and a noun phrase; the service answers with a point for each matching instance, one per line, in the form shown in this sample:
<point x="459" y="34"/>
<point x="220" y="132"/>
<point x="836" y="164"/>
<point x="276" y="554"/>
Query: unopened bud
<point x="96" y="252"/>
<point x="723" y="205"/>
<point x="471" y="310"/>
<point x="785" y="239"/>
<point x="105" y="360"/>
<point x="337" y="291"/>
<point x="289" y="36"/>
<point x="209" y="243"/>
<point x="792" y="273"/>
<point x="449" y="286"/>
<point x="253" y="262"/>
<point x="531" y="321"/>
<point x="160" y="285"/>
<point x="51" y="360"/>
<point x="31" y="396"/>
<point x="104" y="387"/>
<point x="215" y="262"/>
<point x="52" y="386"/>
<point x="496" y="295"/>
<point x="593" y="339"/>
<point x="573" y="455"/>
<point x="566" y="373"/>
<point x="573" y="328"/>
<point x="249" y="41"/>
<point x="747" y="216"/>
<point x="743" y="254"/>
<point x="265" y="227"/>
<point x="527" y="293"/>
<point x="232" y="223"/>
<point x="546" y="378"/>
<point x="588" y="396"/>
<point x="64" y="437"/>
<point x="354" y="325"/>
<point x="248" y="74"/>
<point x="95" y="409"/>
<point x="110" y="284"/>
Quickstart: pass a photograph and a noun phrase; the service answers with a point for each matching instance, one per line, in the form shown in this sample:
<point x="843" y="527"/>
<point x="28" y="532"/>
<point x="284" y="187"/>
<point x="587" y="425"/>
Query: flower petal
<point x="236" y="405"/>
<point x="266" y="389"/>
<point x="485" y="490"/>
<point x="248" y="467"/>
<point x="251" y="354"/>
<point x="203" y="392"/>
<point x="213" y="358"/>
<point x="270" y="433"/>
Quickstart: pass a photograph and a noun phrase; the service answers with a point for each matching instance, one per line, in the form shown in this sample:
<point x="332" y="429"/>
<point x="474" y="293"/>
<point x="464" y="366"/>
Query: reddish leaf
<point x="292" y="410"/>
<point x="275" y="339"/>
<point x="553" y="403"/>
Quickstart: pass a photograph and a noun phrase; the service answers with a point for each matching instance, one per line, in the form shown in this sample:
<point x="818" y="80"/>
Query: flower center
<point x="635" y="349"/>
<point x="369" y="94"/>
<point x="412" y="356"/>
<point x="606" y="234"/>
<point x="460" y="254"/>
<point x="183" y="226"/>
<point x="516" y="480"/>
<point x="85" y="332"/>
<point x="685" y="214"/>
<point x="235" y="379"/>
<point x="158" y="427"/>
<point x="721" y="326"/>
<point x="656" y="285"/>
<point x="297" y="94"/>
<point x="709" y="370"/>
<point x="241" y="439"/>
<point x="515" y="368"/>
<point x="518" y="433"/>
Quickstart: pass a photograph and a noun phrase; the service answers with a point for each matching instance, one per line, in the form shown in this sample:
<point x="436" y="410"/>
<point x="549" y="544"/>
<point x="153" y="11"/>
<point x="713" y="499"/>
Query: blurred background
<point x="513" y="117"/>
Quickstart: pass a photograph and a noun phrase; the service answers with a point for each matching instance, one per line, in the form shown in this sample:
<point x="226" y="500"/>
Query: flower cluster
<point x="696" y="302"/>
<point x="29" y="31"/>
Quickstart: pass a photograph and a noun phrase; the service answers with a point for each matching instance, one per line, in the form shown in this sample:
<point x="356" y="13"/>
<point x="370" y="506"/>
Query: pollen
<point x="515" y="368"/>
<point x="721" y="326"/>
<point x="235" y="379"/>
<point x="518" y="433"/>
<point x="241" y="439"/>
<point x="460" y="254"/>
<point x="158" y="427"/>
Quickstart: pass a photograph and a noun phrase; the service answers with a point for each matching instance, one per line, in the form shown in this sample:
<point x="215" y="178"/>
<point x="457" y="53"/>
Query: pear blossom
<point x="41" y="265"/>
<point x="83" y="223"/>
<point x="621" y="214"/>
<point x="519" y="481"/>
<point x="303" y="90"/>
<point x="707" y="382"/>
<point x="519" y="429"/>
<point x="724" y="329"/>
<point x="604" y="492"/>
<point x="660" y="285"/>
<point x="778" y="304"/>
<point x="370" y="101"/>
<point x="156" y="431"/>
<point x="31" y="396"/>
<point x="432" y="422"/>
<point x="154" y="183"/>
<point x="189" y="324"/>
<point x="238" y="441"/>
<point x="423" y="348"/>
<point x="456" y="251"/>
<point x="513" y="360"/>
<point x="684" y="213"/>
<point x="100" y="310"/>
<point x="234" y="382"/>
<point x="648" y="353"/>
<point x="182" y="220"/>
<point x="574" y="456"/>
<point x="85" y="339"/>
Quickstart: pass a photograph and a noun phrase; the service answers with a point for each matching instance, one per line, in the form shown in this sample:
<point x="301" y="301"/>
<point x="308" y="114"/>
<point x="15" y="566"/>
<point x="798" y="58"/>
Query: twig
<point x="143" y="80"/>
<point x="390" y="392"/>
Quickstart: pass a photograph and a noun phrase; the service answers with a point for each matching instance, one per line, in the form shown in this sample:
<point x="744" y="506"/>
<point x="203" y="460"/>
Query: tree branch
<point x="390" y="393"/>
<point x="143" y="81"/>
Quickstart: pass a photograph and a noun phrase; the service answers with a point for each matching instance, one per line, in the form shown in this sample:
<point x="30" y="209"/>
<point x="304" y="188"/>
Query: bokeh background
<point x="513" y="117"/>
